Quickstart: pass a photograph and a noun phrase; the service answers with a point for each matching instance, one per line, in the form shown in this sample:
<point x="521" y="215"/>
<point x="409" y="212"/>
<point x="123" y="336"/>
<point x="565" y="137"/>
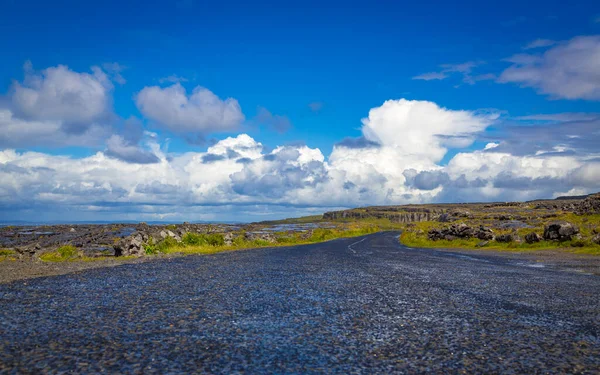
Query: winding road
<point x="359" y="305"/>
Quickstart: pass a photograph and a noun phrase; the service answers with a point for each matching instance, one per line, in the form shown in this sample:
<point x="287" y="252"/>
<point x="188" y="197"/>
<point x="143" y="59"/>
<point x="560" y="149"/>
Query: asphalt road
<point x="361" y="305"/>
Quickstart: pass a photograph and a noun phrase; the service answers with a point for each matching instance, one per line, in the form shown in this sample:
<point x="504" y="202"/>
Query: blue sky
<point x="300" y="73"/>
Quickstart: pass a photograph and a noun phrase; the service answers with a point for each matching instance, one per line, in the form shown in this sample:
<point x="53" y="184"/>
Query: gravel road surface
<point x="360" y="305"/>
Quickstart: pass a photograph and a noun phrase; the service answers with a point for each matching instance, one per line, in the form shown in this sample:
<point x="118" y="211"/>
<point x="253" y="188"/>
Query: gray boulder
<point x="560" y="231"/>
<point x="445" y="218"/>
<point x="484" y="233"/>
<point x="167" y="233"/>
<point x="29" y="251"/>
<point x="505" y="238"/>
<point x="461" y="213"/>
<point x="252" y="236"/>
<point x="590" y="205"/>
<point x="130" y="246"/>
<point x="596" y="239"/>
<point x="532" y="237"/>
<point x="228" y="237"/>
<point x="453" y="232"/>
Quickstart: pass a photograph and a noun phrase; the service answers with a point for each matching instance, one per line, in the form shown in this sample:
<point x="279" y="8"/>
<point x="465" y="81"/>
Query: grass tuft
<point x="63" y="253"/>
<point x="7" y="254"/>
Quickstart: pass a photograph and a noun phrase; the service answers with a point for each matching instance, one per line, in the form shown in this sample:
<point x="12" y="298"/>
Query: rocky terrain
<point x="567" y="219"/>
<point x="567" y="222"/>
<point x="107" y="240"/>
<point x="537" y="209"/>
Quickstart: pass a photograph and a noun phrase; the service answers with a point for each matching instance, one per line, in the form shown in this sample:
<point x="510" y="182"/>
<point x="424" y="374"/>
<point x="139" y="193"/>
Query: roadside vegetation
<point x="69" y="253"/>
<point x="194" y="243"/>
<point x="210" y="243"/>
<point x="63" y="253"/>
<point x="508" y="226"/>
<point x="416" y="235"/>
<point x="7" y="254"/>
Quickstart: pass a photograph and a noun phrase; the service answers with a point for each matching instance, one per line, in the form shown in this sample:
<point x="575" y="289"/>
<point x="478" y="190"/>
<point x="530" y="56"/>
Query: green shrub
<point x="7" y="254"/>
<point x="63" y="253"/>
<point x="258" y="242"/>
<point x="166" y="244"/>
<point x="285" y="239"/>
<point x="68" y="251"/>
<point x="195" y="239"/>
<point x="321" y="234"/>
<point x="215" y="239"/>
<point x="150" y="246"/>
<point x="240" y="241"/>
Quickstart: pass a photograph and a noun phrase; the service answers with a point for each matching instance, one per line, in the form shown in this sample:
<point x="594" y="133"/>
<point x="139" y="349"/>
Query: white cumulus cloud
<point x="397" y="161"/>
<point x="57" y="107"/>
<point x="60" y="94"/>
<point x="421" y="129"/>
<point x="200" y="112"/>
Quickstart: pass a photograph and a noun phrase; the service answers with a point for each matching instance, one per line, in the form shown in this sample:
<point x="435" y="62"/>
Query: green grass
<point x="69" y="253"/>
<point x="196" y="239"/>
<point x="63" y="253"/>
<point x="7" y="254"/>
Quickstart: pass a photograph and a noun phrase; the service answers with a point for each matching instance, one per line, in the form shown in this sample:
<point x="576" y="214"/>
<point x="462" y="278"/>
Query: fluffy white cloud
<point x="16" y="132"/>
<point x="570" y="70"/>
<point x="60" y="94"/>
<point x="200" y="112"/>
<point x="422" y="130"/>
<point x="396" y="161"/>
<point x="57" y="107"/>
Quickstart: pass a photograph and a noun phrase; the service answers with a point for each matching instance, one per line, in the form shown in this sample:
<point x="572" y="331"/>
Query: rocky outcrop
<point x="131" y="246"/>
<point x="505" y="238"/>
<point x="167" y="233"/>
<point x="450" y="233"/>
<point x="228" y="238"/>
<point x="588" y="206"/>
<point x="560" y="231"/>
<point x="484" y="233"/>
<point x="596" y="239"/>
<point x="454" y="215"/>
<point x="28" y="251"/>
<point x="395" y="215"/>
<point x="261" y="236"/>
<point x="461" y="213"/>
<point x="532" y="238"/>
<point x="445" y="218"/>
<point x="460" y="230"/>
